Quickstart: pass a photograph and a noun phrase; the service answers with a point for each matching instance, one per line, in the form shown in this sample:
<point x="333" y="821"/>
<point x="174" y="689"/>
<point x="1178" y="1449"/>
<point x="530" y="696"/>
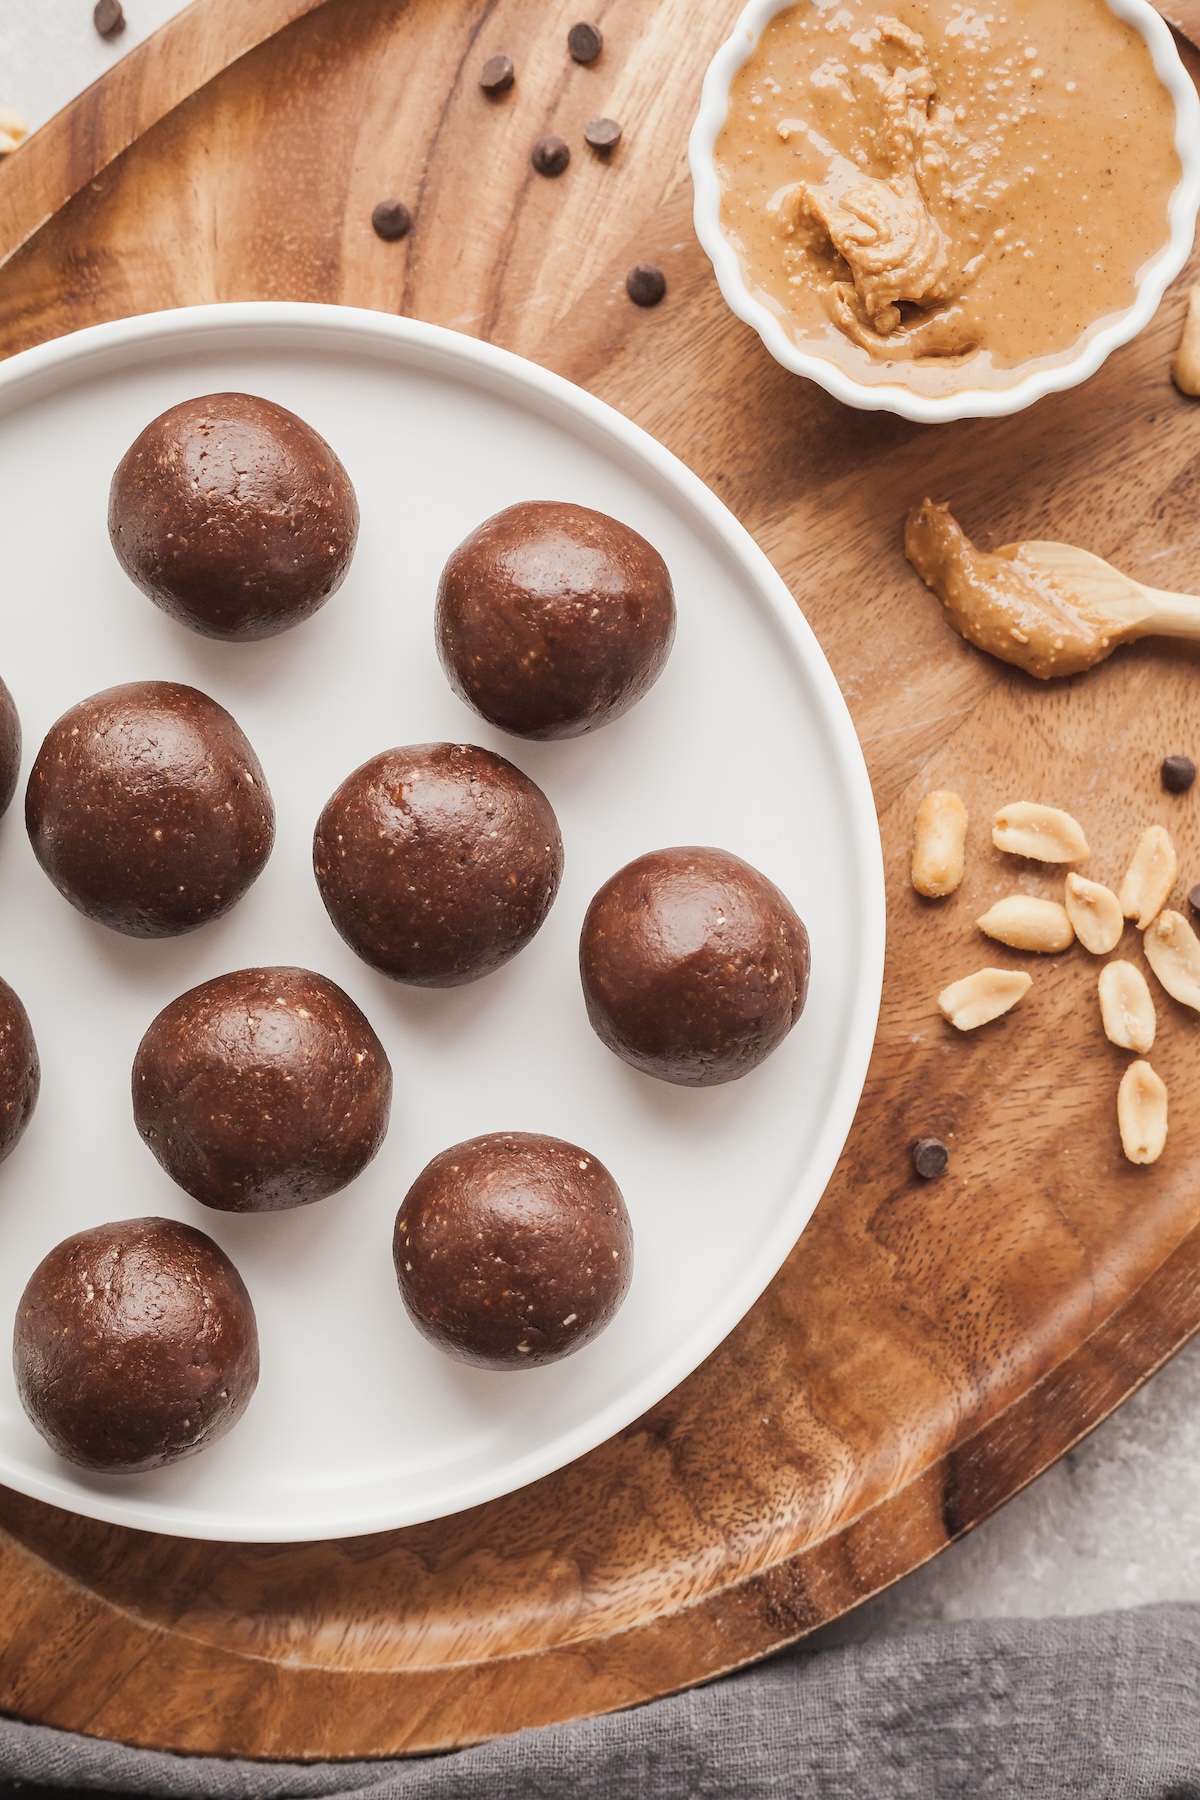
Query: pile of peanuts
<point x="1089" y="912"/>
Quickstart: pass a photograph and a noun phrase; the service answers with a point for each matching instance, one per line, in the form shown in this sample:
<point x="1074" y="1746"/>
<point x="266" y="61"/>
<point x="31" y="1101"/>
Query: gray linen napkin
<point x="1106" y="1708"/>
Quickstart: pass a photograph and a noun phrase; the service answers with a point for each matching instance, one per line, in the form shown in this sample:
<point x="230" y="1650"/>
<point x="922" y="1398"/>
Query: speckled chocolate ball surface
<point x="20" y="1071"/>
<point x="135" y="1345"/>
<point x="233" y="515"/>
<point x="262" y="1089"/>
<point x="148" y="809"/>
<point x="694" y="966"/>
<point x="513" y="1250"/>
<point x="437" y="862"/>
<point x="10" y="748"/>
<point x="553" y="620"/>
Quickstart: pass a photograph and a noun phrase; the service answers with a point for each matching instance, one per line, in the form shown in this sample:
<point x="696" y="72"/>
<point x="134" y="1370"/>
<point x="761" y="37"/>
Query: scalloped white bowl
<point x="896" y="397"/>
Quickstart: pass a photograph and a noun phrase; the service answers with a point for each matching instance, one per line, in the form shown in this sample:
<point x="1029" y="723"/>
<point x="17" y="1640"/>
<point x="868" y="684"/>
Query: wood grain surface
<point x="928" y="1348"/>
<point x="1184" y="15"/>
<point x="140" y="90"/>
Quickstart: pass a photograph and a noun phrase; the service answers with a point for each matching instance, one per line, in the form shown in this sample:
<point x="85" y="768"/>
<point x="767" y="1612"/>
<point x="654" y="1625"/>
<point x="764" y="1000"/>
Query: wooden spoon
<point x="1134" y="609"/>
<point x="1049" y="608"/>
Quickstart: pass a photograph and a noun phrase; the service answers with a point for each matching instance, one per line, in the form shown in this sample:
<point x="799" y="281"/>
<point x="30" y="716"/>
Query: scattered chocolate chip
<point x="108" y="18"/>
<point x="585" y="41"/>
<point x="930" y="1158"/>
<point x="645" y="284"/>
<point x="1178" y="774"/>
<point x="1194" y="899"/>
<point x="392" y="220"/>
<point x="497" y="74"/>
<point x="550" y="156"/>
<point x="602" y="134"/>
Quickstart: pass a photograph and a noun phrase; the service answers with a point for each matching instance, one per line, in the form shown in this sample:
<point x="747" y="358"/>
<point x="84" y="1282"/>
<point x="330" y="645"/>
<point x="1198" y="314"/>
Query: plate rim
<point x="99" y="349"/>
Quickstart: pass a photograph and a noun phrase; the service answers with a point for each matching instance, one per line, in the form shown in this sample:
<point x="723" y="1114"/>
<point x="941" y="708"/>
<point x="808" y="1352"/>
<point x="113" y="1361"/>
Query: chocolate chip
<point x="930" y="1158"/>
<point x="550" y="156"/>
<point x="392" y="219"/>
<point x="108" y="18"/>
<point x="497" y="74"/>
<point x="585" y="41"/>
<point x="1194" y="899"/>
<point x="645" y="284"/>
<point x="602" y="134"/>
<point x="1178" y="774"/>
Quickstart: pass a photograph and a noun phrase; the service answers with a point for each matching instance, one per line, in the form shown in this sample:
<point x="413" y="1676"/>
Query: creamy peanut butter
<point x="1003" y="604"/>
<point x="941" y="194"/>
<point x="1050" y="608"/>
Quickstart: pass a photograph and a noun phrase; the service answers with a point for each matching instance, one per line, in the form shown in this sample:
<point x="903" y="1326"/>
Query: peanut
<point x="978" y="999"/>
<point x="1149" y="877"/>
<point x="1142" y="1113"/>
<point x="13" y="130"/>
<point x="1127" y="1008"/>
<point x="1185" y="370"/>
<point x="939" y="844"/>
<point x="1042" y="832"/>
<point x="1026" y="923"/>
<point x="1096" y="914"/>
<point x="1174" y="954"/>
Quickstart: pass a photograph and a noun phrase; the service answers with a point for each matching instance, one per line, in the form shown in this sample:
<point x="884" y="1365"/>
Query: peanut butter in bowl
<point x="943" y="198"/>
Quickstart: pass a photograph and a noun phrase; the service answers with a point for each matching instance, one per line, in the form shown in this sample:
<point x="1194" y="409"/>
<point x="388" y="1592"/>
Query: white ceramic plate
<point x="358" y="1424"/>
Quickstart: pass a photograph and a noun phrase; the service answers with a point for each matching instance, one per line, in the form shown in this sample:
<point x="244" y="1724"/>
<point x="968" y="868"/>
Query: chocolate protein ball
<point x="10" y="748"/>
<point x="20" y="1070"/>
<point x="148" y="809"/>
<point x="553" y="620"/>
<point x="694" y="966"/>
<point x="135" y="1344"/>
<point x="233" y="515"/>
<point x="262" y="1089"/>
<point x="513" y="1250"/>
<point x="437" y="862"/>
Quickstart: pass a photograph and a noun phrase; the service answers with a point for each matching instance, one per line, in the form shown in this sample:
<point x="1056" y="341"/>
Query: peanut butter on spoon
<point x="1050" y="608"/>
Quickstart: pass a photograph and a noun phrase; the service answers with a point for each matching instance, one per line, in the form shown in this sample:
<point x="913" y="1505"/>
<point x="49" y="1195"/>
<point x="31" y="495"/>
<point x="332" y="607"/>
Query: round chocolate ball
<point x="513" y="1250"/>
<point x="553" y="620"/>
<point x="262" y="1089"/>
<point x="20" y="1071"/>
<point x="10" y="748"/>
<point x="694" y="966"/>
<point x="148" y="809"/>
<point x="135" y="1344"/>
<point x="438" y="862"/>
<point x="233" y="515"/>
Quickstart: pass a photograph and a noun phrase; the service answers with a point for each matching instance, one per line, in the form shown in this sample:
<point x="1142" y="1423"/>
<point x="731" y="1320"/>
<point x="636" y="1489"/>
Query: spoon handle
<point x="1169" y="615"/>
<point x="1134" y="609"/>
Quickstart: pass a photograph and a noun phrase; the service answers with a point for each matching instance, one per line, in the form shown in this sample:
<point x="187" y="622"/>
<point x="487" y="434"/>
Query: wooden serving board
<point x="929" y="1348"/>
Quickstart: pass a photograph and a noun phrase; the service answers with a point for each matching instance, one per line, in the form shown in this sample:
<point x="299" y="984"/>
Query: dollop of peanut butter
<point x="881" y="226"/>
<point x="1004" y="605"/>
